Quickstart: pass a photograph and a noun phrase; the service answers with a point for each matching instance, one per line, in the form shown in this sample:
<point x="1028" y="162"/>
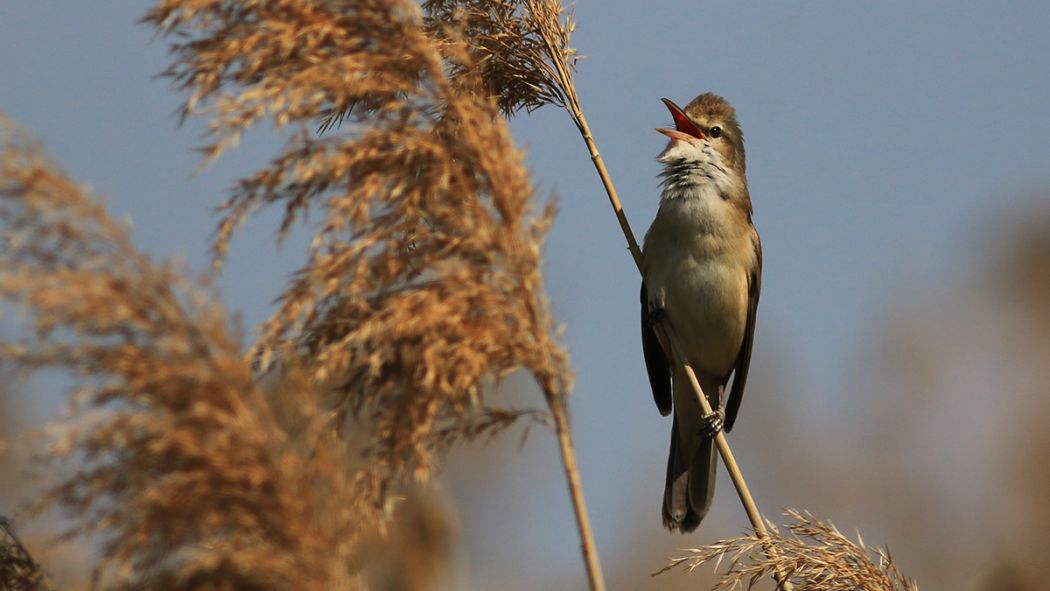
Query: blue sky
<point x="885" y="141"/>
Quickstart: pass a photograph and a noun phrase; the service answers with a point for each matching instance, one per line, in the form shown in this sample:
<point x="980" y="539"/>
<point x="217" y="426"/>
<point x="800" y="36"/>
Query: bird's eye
<point x="715" y="132"/>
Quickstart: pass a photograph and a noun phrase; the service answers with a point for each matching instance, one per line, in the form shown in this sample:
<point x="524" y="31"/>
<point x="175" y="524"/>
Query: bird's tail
<point x="690" y="486"/>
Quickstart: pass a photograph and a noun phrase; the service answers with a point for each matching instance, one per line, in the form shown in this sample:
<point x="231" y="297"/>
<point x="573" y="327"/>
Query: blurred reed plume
<point x="812" y="554"/>
<point x="191" y="475"/>
<point x="422" y="284"/>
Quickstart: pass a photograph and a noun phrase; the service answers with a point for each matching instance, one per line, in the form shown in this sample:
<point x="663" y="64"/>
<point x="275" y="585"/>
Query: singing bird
<point x="702" y="273"/>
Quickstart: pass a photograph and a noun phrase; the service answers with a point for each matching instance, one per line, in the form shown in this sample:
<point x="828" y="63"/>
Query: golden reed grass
<point x="423" y="279"/>
<point x="421" y="288"/>
<point x="812" y="554"/>
<point x="191" y="476"/>
<point x="423" y="282"/>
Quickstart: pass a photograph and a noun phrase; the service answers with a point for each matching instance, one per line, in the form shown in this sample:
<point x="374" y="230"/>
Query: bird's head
<point x="705" y="130"/>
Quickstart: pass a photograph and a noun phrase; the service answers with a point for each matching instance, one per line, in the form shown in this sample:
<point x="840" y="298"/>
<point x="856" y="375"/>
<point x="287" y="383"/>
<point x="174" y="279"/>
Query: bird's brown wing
<point x="743" y="360"/>
<point x="655" y="361"/>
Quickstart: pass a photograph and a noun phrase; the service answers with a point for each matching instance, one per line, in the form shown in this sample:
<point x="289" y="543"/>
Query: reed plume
<point x="421" y="289"/>
<point x="422" y="284"/>
<point x="191" y="476"/>
<point x="812" y="554"/>
<point x="507" y="44"/>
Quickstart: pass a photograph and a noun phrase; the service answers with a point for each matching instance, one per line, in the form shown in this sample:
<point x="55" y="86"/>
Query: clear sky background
<point x="888" y="146"/>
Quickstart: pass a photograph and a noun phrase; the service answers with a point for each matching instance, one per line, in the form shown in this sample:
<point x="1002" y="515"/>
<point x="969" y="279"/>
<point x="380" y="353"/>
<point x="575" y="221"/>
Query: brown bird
<point x="702" y="269"/>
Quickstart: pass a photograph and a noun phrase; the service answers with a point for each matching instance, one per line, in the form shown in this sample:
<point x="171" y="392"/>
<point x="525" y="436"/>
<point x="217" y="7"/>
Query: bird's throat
<point x="694" y="170"/>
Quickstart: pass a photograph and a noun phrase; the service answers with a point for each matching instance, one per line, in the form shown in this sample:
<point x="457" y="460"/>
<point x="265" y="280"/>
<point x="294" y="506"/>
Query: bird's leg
<point x="711" y="424"/>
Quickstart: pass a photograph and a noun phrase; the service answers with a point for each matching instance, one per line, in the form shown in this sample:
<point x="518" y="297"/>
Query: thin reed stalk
<point x="588" y="547"/>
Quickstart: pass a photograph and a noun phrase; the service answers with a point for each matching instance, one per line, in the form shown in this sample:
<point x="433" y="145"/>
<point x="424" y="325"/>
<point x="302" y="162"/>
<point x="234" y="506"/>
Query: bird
<point x="702" y="273"/>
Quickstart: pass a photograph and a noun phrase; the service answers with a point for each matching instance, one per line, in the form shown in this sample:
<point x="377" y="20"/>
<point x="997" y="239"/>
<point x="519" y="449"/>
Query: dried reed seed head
<point x="422" y="283"/>
<point x="506" y="44"/>
<point x="175" y="425"/>
<point x="424" y="277"/>
<point x="812" y="554"/>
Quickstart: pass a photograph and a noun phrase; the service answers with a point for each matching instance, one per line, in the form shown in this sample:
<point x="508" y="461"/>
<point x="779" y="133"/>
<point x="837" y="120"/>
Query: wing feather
<point x="655" y="361"/>
<point x="743" y="361"/>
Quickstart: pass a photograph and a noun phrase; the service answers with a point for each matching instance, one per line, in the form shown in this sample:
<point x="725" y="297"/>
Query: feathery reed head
<point x="423" y="280"/>
<point x="422" y="287"/>
<point x="508" y="47"/>
<point x="812" y="554"/>
<point x="189" y="473"/>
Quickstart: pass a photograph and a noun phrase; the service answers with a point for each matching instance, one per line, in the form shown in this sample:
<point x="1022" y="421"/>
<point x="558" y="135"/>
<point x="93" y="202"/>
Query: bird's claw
<point x="711" y="425"/>
<point x="656" y="315"/>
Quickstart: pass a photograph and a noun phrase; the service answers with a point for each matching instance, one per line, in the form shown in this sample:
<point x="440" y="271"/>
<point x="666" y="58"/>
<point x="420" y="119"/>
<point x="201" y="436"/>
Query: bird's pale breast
<point x="697" y="267"/>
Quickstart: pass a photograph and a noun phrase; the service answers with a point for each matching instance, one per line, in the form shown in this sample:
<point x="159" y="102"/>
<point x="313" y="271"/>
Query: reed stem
<point x="572" y="475"/>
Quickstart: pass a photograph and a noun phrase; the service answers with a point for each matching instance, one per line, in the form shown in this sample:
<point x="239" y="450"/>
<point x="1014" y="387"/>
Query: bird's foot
<point x="656" y="315"/>
<point x="711" y="424"/>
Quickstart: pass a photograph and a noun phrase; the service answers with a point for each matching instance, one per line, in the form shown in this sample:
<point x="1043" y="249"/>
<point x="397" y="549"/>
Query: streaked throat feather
<point x="689" y="168"/>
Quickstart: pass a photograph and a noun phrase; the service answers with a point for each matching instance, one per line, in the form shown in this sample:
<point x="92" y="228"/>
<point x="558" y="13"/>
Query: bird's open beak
<point x="684" y="129"/>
